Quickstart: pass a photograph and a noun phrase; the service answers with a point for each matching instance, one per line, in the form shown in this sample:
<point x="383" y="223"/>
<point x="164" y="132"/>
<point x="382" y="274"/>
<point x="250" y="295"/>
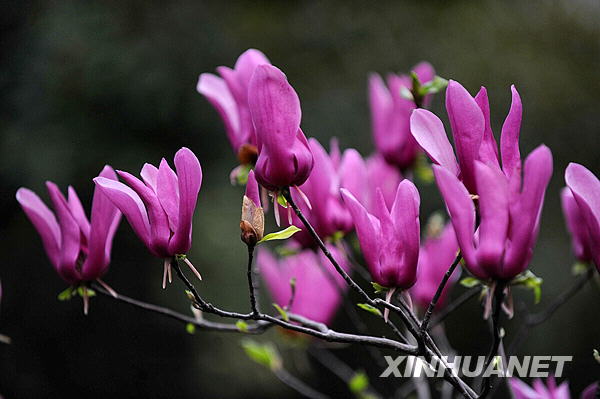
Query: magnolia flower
<point x="389" y="241"/>
<point x="229" y="95"/>
<point x="78" y="247"/>
<point x="473" y="136"/>
<point x="160" y="208"/>
<point x="503" y="244"/>
<point x="315" y="295"/>
<point x="284" y="159"/>
<point x="390" y="114"/>
<point x="581" y="207"/>
<point x="252" y="223"/>
<point x="435" y="257"/>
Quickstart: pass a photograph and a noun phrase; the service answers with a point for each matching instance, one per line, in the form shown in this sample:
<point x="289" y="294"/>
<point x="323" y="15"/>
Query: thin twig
<point x="251" y="286"/>
<point x="497" y="307"/>
<point x="297" y="385"/>
<point x="439" y="291"/>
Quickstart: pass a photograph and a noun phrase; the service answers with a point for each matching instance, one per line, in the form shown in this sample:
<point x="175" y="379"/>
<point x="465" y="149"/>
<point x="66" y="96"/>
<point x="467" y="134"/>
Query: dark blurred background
<point x="88" y="83"/>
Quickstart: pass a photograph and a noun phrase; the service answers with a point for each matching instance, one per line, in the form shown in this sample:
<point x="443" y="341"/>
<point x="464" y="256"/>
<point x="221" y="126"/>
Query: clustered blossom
<point x="313" y="277"/>
<point x="390" y="115"/>
<point x="509" y="200"/>
<point x="581" y="206"/>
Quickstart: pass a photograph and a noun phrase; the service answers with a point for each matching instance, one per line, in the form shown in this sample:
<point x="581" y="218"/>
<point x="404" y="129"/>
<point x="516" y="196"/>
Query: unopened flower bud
<point x="252" y="224"/>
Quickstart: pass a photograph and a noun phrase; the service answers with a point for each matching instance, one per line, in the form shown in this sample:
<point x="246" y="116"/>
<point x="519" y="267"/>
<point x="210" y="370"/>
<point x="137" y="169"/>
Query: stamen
<point x="187" y="262"/>
<point x="86" y="301"/>
<point x="487" y="310"/>
<point x="304" y="197"/>
<point x="388" y="297"/>
<point x="407" y="299"/>
<point x="107" y="288"/>
<point x="276" y="210"/>
<point x="169" y="273"/>
<point x="264" y="197"/>
<point x="165" y="267"/>
<point x="289" y="215"/>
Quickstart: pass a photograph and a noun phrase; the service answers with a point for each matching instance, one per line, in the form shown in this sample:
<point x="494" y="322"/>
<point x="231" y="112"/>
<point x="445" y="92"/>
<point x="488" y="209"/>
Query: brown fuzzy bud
<point x="252" y="224"/>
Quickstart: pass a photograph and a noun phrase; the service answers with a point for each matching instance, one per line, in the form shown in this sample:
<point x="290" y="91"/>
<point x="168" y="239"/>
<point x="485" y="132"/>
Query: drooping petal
<point x="275" y="108"/>
<point x="493" y="209"/>
<point x="368" y="232"/>
<point x="488" y="152"/>
<point x="428" y="131"/>
<point x="462" y="214"/>
<point x="44" y="222"/>
<point x="104" y="217"/>
<point x="167" y="191"/>
<point x="586" y="190"/>
<point x="525" y="211"/>
<point x="130" y="204"/>
<point x="217" y="93"/>
<point x="509" y="141"/>
<point x="577" y="226"/>
<point x="159" y="224"/>
<point x="468" y="126"/>
<point x="149" y="175"/>
<point x="189" y="175"/>
<point x="70" y="235"/>
<point x="78" y="212"/>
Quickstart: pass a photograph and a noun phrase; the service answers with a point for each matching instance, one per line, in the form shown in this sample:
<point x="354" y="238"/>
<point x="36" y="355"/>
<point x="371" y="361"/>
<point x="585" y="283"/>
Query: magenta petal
<point x="428" y="131"/>
<point x="252" y="189"/>
<point x="577" y="226"/>
<point x="167" y="191"/>
<point x="353" y="174"/>
<point x="488" y="152"/>
<point x="525" y="211"/>
<point x="189" y="174"/>
<point x="509" y="141"/>
<point x="149" y="175"/>
<point x="70" y="246"/>
<point x="217" y="93"/>
<point x="424" y="71"/>
<point x="380" y="102"/>
<point x="247" y="63"/>
<point x="78" y="212"/>
<point x="368" y="232"/>
<point x="157" y="218"/>
<point x="381" y="175"/>
<point x="585" y="187"/>
<point x="521" y="390"/>
<point x="590" y="391"/>
<point x="493" y="208"/>
<point x="275" y="108"/>
<point x="468" y="126"/>
<point x="405" y="216"/>
<point x="277" y="282"/>
<point x="44" y="222"/>
<point x="462" y="214"/>
<point x="104" y="219"/>
<point x="130" y="204"/>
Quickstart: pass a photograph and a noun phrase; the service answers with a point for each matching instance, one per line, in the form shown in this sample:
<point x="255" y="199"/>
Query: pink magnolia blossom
<point x="581" y="207"/>
<point x="160" y="207"/>
<point x="78" y="248"/>
<point x="473" y="136"/>
<point x="503" y="244"/>
<point x="316" y="296"/>
<point x="284" y="156"/>
<point x="390" y="114"/>
<point x="229" y="95"/>
<point x="539" y="390"/>
<point x="390" y="240"/>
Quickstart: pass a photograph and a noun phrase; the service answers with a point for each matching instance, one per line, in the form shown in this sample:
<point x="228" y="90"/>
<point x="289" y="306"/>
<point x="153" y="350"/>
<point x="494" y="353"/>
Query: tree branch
<point x="439" y="291"/>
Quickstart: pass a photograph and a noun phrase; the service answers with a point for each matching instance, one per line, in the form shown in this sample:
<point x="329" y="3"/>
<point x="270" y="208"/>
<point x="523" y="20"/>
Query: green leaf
<point x="241" y="176"/>
<point x="283" y="251"/>
<point x="379" y="288"/>
<point x="596" y="355"/>
<point x="469" y="282"/>
<point x="90" y="292"/>
<point x="579" y="268"/>
<point x="263" y="354"/>
<point x="242" y="325"/>
<point x="336" y="237"/>
<point x="190" y="328"/>
<point x="359" y="382"/>
<point x="281" y="235"/>
<point x="434" y="86"/>
<point x="369" y="308"/>
<point x="406" y="93"/>
<point x="530" y="281"/>
<point x="67" y="294"/>
<point x="282" y="201"/>
<point x="423" y="170"/>
<point x="282" y="312"/>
